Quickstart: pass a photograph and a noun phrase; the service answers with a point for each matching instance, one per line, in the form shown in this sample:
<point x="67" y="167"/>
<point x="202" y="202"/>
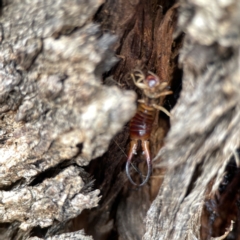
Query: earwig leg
<point x="137" y="82"/>
<point x="162" y="109"/>
<point x="163" y="85"/>
<point x="163" y="94"/>
<point x="139" y="73"/>
<point x="141" y="85"/>
<point x="140" y="76"/>
<point x="141" y="101"/>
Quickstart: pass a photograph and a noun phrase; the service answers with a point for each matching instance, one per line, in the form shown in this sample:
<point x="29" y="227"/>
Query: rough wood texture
<point x="55" y="113"/>
<point x="66" y="236"/>
<point x="144" y="30"/>
<point x="53" y="199"/>
<point x="56" y="116"/>
<point x="205" y="124"/>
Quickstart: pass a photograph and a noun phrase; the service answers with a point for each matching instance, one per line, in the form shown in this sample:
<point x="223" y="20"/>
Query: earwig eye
<point x="152" y="81"/>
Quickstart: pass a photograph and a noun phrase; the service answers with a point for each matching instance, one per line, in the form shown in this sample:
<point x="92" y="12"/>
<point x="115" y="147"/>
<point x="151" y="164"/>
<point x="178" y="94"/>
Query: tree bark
<point x="64" y="106"/>
<point x="55" y="114"/>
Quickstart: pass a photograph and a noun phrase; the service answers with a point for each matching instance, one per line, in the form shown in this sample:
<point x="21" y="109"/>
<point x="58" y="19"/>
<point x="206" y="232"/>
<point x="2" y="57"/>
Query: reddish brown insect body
<point x="141" y="123"/>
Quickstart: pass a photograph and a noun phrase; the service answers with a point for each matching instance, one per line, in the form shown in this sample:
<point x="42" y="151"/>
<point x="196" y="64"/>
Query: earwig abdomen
<point x="141" y="123"/>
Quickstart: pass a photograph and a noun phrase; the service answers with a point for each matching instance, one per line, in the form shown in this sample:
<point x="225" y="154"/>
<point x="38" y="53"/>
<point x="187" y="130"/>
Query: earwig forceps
<point x="132" y="150"/>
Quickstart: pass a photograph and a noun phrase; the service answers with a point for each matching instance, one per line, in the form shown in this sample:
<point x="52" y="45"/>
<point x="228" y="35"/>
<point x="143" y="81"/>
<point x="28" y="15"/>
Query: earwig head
<point x="151" y="85"/>
<point x="154" y="86"/>
<point x="152" y="81"/>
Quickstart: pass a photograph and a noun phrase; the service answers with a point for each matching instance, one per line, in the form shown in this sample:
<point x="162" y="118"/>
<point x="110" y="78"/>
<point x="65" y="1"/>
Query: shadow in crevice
<point x="224" y="206"/>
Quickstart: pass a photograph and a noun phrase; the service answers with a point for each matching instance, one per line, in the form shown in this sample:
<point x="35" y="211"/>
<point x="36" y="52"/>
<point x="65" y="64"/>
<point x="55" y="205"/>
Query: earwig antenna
<point x="160" y="108"/>
<point x="153" y="74"/>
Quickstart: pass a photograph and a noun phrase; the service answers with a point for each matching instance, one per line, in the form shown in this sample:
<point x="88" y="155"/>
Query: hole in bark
<point x="223" y="207"/>
<point x="38" y="232"/>
<point x="195" y="176"/>
<point x="80" y="148"/>
<point x="3" y="140"/>
<point x="50" y="172"/>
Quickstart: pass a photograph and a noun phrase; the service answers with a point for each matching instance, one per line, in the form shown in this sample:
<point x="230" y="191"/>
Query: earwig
<point x="141" y="124"/>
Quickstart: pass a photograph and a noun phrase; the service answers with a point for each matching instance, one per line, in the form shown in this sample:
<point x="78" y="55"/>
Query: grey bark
<point x="66" y="236"/>
<point x="205" y="126"/>
<point x="55" y="113"/>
